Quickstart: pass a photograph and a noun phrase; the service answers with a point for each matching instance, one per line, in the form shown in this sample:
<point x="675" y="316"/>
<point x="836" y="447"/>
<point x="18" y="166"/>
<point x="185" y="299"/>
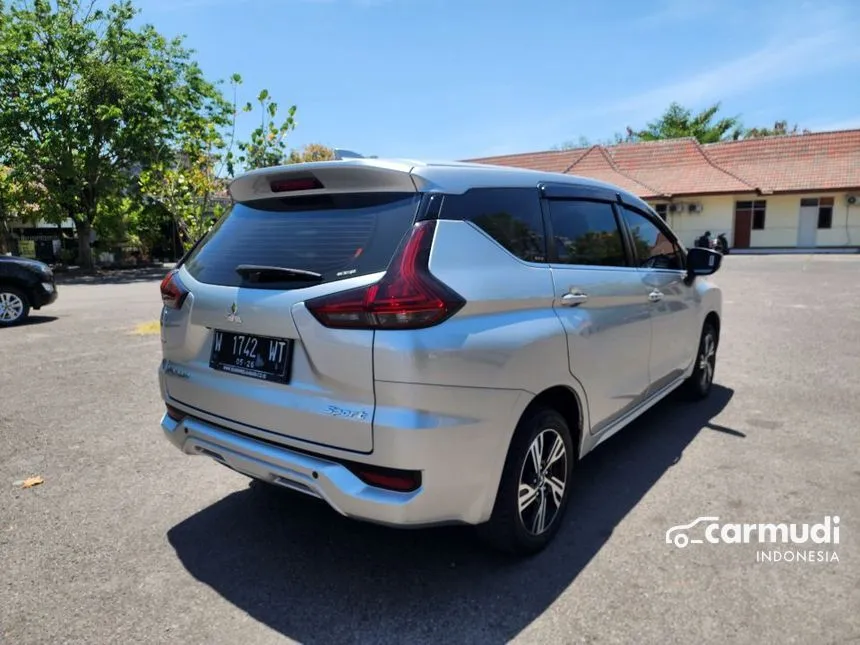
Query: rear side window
<point x="586" y="233"/>
<point x="336" y="235"/>
<point x="511" y="216"/>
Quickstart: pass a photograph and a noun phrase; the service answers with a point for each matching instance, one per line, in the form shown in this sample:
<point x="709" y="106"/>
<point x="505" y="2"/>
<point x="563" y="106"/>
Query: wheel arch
<point x="714" y="318"/>
<point x="566" y="402"/>
<point x="19" y="285"/>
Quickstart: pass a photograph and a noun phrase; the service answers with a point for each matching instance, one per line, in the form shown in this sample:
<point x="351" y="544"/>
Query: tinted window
<point x="337" y="235"/>
<point x="653" y="247"/>
<point x="586" y="233"/>
<point x="511" y="216"/>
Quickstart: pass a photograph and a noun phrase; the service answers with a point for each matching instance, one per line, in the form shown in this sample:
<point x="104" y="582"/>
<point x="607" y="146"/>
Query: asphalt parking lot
<point x="128" y="541"/>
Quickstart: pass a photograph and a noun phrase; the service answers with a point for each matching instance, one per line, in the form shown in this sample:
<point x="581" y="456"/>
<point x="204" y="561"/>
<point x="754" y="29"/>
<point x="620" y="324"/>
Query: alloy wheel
<point x="543" y="481"/>
<point x="708" y="359"/>
<point x="11" y="307"/>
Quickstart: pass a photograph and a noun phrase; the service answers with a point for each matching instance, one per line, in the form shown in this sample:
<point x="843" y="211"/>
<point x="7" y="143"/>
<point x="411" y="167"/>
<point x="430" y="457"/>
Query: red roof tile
<point x="818" y="161"/>
<point x="675" y="167"/>
<point x="597" y="164"/>
<point x="552" y="161"/>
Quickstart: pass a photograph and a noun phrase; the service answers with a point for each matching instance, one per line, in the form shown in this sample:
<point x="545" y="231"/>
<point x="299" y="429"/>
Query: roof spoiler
<point x="336" y="176"/>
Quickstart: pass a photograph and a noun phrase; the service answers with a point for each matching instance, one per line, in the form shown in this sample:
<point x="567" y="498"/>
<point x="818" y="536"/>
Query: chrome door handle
<point x="655" y="296"/>
<point x="573" y="299"/>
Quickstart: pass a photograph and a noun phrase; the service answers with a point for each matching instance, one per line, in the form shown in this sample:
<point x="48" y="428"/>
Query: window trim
<point x="586" y="196"/>
<point x="662" y="227"/>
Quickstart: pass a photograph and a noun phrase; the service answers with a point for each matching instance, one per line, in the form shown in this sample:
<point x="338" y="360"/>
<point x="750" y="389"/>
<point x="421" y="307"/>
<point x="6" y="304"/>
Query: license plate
<point x="260" y="357"/>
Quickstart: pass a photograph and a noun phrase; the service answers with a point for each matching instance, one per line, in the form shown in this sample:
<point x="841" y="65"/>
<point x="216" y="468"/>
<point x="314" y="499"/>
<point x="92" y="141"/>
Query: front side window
<point x="654" y="248"/>
<point x="586" y="233"/>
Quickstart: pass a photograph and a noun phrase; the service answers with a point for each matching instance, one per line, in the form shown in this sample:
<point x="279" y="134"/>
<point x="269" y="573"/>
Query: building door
<point x="807" y="225"/>
<point x="743" y="228"/>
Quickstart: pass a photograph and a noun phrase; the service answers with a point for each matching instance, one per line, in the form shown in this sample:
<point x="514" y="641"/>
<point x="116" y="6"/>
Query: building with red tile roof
<point x="784" y="191"/>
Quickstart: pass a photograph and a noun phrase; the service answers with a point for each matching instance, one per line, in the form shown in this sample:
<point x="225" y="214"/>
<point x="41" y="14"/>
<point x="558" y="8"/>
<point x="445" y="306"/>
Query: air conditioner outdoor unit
<point x="853" y="200"/>
<point x="694" y="208"/>
<point x="676" y="208"/>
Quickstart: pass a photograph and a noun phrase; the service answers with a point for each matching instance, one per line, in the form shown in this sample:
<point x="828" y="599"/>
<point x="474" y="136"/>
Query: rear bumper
<point x="460" y="465"/>
<point x="312" y="475"/>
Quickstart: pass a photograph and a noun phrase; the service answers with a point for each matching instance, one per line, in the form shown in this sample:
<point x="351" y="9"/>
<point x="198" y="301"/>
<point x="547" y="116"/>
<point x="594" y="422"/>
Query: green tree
<point x="311" y="152"/>
<point x="678" y="122"/>
<point x="268" y="143"/>
<point x="585" y="142"/>
<point x="17" y="203"/>
<point x="90" y="101"/>
<point x="779" y="128"/>
<point x="9" y="191"/>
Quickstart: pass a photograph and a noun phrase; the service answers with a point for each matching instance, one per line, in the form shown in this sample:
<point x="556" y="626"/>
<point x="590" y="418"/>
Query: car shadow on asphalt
<point x="34" y="319"/>
<point x="299" y="568"/>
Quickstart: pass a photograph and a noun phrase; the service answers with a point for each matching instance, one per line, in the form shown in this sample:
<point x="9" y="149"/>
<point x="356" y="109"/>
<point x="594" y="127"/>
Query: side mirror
<point x="701" y="261"/>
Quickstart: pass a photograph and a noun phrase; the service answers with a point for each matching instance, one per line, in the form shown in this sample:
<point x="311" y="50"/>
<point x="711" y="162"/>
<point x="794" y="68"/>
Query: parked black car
<point x="24" y="285"/>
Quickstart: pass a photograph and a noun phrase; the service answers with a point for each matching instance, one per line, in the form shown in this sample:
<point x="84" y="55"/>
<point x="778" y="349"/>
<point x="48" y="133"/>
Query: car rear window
<point x="337" y="235"/>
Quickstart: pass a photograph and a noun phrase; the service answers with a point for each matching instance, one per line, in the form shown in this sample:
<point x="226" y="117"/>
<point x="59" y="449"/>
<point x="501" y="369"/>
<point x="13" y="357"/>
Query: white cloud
<point x="785" y="58"/>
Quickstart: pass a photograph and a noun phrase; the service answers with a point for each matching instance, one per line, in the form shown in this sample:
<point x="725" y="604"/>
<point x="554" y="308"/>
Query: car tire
<point x="14" y="306"/>
<point x="519" y="531"/>
<point x="698" y="385"/>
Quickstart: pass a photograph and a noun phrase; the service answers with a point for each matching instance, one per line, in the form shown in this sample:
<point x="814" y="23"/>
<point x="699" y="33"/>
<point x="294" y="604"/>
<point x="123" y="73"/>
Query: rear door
<point x="674" y="301"/>
<point x="601" y="302"/>
<point x="245" y="350"/>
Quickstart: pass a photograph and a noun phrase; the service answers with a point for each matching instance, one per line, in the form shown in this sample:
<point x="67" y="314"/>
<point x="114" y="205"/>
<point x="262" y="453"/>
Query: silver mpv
<point x="430" y="343"/>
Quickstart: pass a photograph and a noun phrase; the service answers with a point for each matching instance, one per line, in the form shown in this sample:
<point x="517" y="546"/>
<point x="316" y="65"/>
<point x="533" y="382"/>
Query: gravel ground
<point x="128" y="541"/>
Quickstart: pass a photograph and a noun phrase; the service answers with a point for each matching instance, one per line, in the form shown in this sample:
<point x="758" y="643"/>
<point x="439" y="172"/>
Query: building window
<point x="756" y="208"/>
<point x="825" y="212"/>
<point x="825" y="209"/>
<point x="661" y="210"/>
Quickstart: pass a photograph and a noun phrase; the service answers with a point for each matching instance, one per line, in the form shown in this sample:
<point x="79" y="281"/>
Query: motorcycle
<point x="705" y="241"/>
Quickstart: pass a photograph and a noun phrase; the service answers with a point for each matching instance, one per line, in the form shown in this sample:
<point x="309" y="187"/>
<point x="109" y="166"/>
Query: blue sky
<point x="453" y="79"/>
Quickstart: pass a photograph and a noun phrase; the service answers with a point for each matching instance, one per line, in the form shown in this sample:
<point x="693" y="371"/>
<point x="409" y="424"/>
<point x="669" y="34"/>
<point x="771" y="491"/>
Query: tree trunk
<point x="85" y="252"/>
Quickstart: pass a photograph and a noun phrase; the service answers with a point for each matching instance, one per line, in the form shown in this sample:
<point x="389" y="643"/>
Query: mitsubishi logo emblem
<point x="233" y="316"/>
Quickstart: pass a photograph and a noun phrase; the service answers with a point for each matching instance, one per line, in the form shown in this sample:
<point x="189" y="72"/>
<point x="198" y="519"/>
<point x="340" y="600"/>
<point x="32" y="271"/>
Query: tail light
<point x="174" y="413"/>
<point x="291" y="185"/>
<point x="173" y="292"/>
<point x="407" y="296"/>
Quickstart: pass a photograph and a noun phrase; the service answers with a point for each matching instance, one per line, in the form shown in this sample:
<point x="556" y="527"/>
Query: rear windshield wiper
<point x="259" y="273"/>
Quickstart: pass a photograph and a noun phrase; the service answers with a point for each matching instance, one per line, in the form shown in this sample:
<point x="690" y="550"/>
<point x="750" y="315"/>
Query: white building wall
<point x="781" y="220"/>
<point x="716" y="216"/>
<point x="783" y="216"/>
